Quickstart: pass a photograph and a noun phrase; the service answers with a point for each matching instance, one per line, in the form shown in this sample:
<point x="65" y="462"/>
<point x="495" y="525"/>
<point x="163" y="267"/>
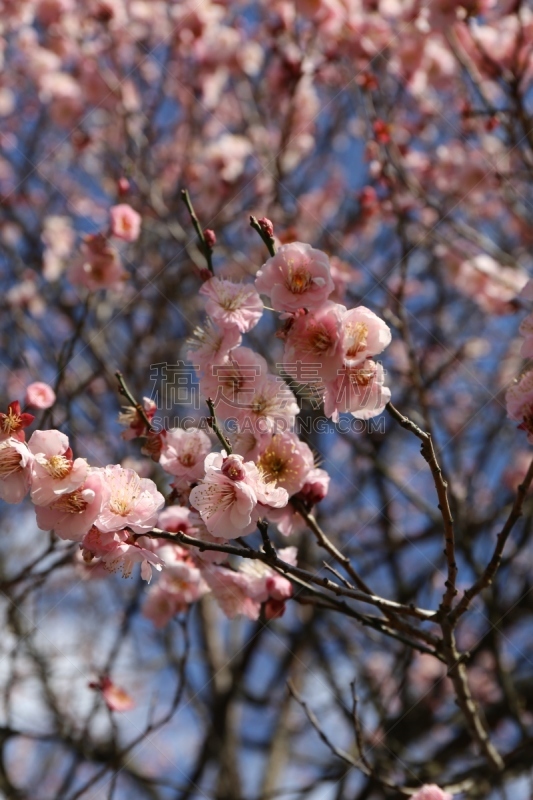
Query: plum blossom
<point x="54" y="470"/>
<point x="297" y="276"/>
<point x="286" y="461"/>
<point x="40" y="395"/>
<point x="211" y="345"/>
<point x="519" y="401"/>
<point x="431" y="792"/>
<point x="176" y="518"/>
<point x="231" y="591"/>
<point x="358" y="390"/>
<point x="316" y="339"/>
<point x="232" y="383"/>
<point x="130" y="417"/>
<point x="254" y="583"/>
<point x="272" y="407"/>
<point x="315" y="487"/>
<point x="228" y="496"/>
<point x="180" y="585"/>
<point x="119" y="551"/>
<point x="183" y="453"/>
<point x="72" y="514"/>
<point x="526" y="329"/>
<point x="13" y="422"/>
<point x="125" y="222"/>
<point x="490" y="284"/>
<point x="15" y="469"/>
<point x="232" y="305"/>
<point x="98" y="266"/>
<point x="132" y="502"/>
<point x="115" y="698"/>
<point x="364" y="335"/>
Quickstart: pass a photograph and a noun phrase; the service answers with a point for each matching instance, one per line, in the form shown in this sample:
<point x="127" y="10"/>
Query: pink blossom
<point x="15" y="470"/>
<point x="231" y="384"/>
<point x="315" y="340"/>
<point x="527" y="290"/>
<point x="231" y="591"/>
<point x="130" y="417"/>
<point x="243" y="591"/>
<point x="176" y="518"/>
<point x="98" y="266"/>
<point x="226" y="506"/>
<point x="315" y="487"/>
<point x="125" y="222"/>
<point x="364" y="335"/>
<point x="272" y="407"/>
<point x="232" y="305"/>
<point x="183" y="453"/>
<point x="490" y="284"/>
<point x="286" y="461"/>
<point x="54" y="471"/>
<point x="40" y="395"/>
<point x="228" y="496"/>
<point x="13" y="422"/>
<point x="72" y="515"/>
<point x="431" y="792"/>
<point x="211" y="345"/>
<point x="120" y="552"/>
<point x="115" y="698"/>
<point x="180" y="585"/>
<point x="132" y="502"/>
<point x="358" y="390"/>
<point x="265" y="582"/>
<point x="519" y="401"/>
<point x="526" y="329"/>
<point x="298" y="276"/>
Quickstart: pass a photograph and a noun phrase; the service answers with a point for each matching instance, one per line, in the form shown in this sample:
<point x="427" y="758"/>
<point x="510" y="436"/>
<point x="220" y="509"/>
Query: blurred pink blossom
<point x="39" y="395"/>
<point x="125" y="222"/>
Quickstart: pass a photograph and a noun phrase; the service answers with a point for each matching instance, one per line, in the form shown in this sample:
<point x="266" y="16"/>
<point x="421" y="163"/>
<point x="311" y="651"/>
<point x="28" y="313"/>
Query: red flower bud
<point x="210" y="238"/>
<point x="123" y="186"/>
<point x="266" y="226"/>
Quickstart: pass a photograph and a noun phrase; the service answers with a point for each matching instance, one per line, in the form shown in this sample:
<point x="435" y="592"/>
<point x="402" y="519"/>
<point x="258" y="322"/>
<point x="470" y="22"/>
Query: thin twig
<point x="492" y="567"/>
<point x="441" y="485"/>
<point x="125" y="392"/>
<point x="205" y="249"/>
<point x="217" y="430"/>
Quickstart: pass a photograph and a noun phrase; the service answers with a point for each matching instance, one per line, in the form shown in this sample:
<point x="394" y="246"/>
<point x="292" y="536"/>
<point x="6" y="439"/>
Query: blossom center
<point x="299" y="280"/>
<point x="11" y="422"/>
<point x="58" y="466"/>
<point x="10" y="460"/>
<point x="273" y="465"/>
<point x="124" y="497"/>
<point x="357" y="335"/>
<point x="72" y="503"/>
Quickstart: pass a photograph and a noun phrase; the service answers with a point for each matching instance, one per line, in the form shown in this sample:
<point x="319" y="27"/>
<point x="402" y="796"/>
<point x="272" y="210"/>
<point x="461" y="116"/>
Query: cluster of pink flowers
<point x="102" y="508"/>
<point x="519" y="397"/>
<point x="108" y="510"/>
<point x="98" y="264"/>
<point x="328" y="348"/>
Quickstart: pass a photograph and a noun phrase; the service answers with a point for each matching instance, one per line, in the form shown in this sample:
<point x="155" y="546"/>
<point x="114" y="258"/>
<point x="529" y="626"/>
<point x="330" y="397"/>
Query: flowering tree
<point x="267" y="404"/>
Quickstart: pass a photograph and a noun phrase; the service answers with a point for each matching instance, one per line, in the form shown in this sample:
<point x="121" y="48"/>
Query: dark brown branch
<point x="441" y="485"/>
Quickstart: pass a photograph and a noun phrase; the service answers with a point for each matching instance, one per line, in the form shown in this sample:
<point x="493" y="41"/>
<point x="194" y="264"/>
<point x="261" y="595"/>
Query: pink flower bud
<point x="39" y="395"/>
<point x="210" y="238"/>
<point x="266" y="226"/>
<point x="123" y="186"/>
<point x="232" y="468"/>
